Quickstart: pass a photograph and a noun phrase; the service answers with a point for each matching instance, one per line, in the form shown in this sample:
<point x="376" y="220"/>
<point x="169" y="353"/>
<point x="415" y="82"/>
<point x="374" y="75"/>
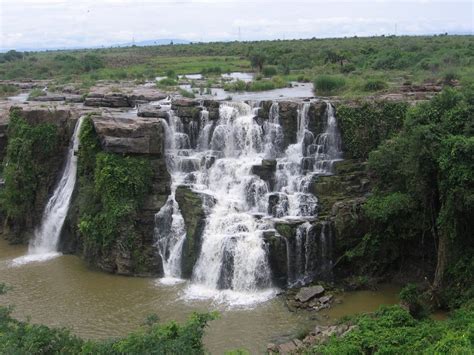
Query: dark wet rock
<point x="308" y="293"/>
<point x="266" y="171"/>
<point x="277" y="258"/>
<point x="213" y="107"/>
<point x="227" y="266"/>
<point x="74" y="98"/>
<point x="107" y="100"/>
<point x="191" y="206"/>
<point x="48" y="97"/>
<point x="130" y="136"/>
<point x="288" y="113"/>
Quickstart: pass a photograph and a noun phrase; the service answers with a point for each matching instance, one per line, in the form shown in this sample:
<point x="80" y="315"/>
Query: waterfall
<point x="170" y="233"/>
<point x="328" y="144"/>
<point x="310" y="255"/>
<point x="218" y="161"/>
<point x="44" y="245"/>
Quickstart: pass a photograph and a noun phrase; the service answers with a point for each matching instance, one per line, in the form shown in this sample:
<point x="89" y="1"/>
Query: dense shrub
<point x="392" y="330"/>
<point x="167" y="82"/>
<point x="374" y="85"/>
<point x="18" y="337"/>
<point x="112" y="188"/>
<point x="423" y="184"/>
<point x="328" y="85"/>
<point x="365" y="126"/>
<point x="29" y="151"/>
<point x="269" y="71"/>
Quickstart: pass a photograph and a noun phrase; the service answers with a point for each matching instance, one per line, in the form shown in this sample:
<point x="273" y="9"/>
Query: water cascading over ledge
<point x="44" y="244"/>
<point x="253" y="179"/>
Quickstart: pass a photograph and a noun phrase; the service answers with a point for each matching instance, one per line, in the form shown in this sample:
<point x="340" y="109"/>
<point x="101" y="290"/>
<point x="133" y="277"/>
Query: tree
<point x="257" y="60"/>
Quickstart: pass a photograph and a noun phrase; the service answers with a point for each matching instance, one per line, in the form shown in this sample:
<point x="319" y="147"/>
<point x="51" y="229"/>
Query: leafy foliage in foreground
<point x="392" y="330"/>
<point x="18" y="337"/>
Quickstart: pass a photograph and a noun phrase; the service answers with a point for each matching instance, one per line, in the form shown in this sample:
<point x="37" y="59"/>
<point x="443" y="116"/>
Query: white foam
<point x="170" y="281"/>
<point x="31" y="258"/>
<point x="229" y="298"/>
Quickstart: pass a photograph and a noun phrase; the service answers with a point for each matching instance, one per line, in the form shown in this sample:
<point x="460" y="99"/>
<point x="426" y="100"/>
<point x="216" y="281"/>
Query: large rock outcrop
<point x="142" y="138"/>
<point x="130" y="135"/>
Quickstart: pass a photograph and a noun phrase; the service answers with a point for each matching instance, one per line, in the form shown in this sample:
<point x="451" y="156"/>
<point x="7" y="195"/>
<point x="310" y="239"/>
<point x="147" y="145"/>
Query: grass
<point x="36" y="93"/>
<point x="8" y="90"/>
<point x="328" y="84"/>
<point x="367" y="62"/>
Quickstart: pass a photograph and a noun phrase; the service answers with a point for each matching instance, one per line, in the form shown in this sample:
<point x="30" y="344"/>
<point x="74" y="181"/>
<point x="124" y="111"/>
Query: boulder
<point x="308" y="293"/>
<point x="147" y="110"/>
<point x="266" y="171"/>
<point x="130" y="136"/>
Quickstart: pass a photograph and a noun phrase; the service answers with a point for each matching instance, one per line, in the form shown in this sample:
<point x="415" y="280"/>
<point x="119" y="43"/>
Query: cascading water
<point x="233" y="265"/>
<point x="44" y="245"/>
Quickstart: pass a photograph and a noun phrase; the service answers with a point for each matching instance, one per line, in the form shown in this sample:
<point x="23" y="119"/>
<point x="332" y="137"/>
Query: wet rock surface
<point x="191" y="206"/>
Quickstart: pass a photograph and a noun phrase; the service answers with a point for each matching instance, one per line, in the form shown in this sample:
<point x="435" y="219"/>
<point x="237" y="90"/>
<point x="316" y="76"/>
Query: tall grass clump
<point x="328" y="84"/>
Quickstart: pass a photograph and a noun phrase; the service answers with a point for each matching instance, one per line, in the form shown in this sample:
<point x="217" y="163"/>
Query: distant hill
<point x="156" y="42"/>
<point x="152" y="42"/>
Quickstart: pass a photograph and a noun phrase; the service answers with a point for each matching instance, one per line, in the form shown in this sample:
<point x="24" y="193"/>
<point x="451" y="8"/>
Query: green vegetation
<point x="8" y="90"/>
<point x="166" y="82"/>
<point x="374" y="85"/>
<point x="18" y="337"/>
<point x="365" y="126"/>
<point x="112" y="189"/>
<point x="423" y="201"/>
<point x="30" y="151"/>
<point x="3" y="288"/>
<point x="36" y="93"/>
<point x="392" y="330"/>
<point x="366" y="64"/>
<point x="186" y="93"/>
<point x="328" y="85"/>
<point x="259" y="85"/>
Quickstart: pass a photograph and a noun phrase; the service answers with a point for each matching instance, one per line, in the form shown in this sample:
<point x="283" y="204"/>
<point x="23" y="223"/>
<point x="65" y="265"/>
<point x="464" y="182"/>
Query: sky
<point x="35" y="24"/>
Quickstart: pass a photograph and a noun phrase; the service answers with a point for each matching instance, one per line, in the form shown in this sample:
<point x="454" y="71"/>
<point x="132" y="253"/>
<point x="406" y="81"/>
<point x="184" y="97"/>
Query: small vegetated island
<point x="299" y="170"/>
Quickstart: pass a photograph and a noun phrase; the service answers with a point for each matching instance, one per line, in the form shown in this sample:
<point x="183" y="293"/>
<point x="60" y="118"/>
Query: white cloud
<point x="53" y="23"/>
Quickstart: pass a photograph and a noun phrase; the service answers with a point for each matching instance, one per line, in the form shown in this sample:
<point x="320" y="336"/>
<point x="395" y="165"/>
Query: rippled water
<point x="63" y="292"/>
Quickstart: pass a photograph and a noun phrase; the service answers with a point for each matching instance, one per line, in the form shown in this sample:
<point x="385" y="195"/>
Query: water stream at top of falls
<point x="215" y="158"/>
<point x="44" y="244"/>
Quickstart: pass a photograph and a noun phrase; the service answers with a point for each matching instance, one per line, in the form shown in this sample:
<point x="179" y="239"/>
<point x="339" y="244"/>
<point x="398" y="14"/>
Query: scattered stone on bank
<point x="312" y="298"/>
<point x="319" y="335"/>
<point x="308" y="293"/>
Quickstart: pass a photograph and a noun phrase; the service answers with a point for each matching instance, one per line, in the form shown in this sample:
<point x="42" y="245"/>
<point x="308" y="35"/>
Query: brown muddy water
<point x="63" y="292"/>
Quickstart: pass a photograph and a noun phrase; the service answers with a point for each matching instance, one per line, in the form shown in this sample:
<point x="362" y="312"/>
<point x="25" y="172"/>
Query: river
<point x="64" y="292"/>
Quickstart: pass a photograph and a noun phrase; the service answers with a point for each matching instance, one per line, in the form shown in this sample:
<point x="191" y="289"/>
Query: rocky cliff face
<point x="142" y="138"/>
<point x="19" y="230"/>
